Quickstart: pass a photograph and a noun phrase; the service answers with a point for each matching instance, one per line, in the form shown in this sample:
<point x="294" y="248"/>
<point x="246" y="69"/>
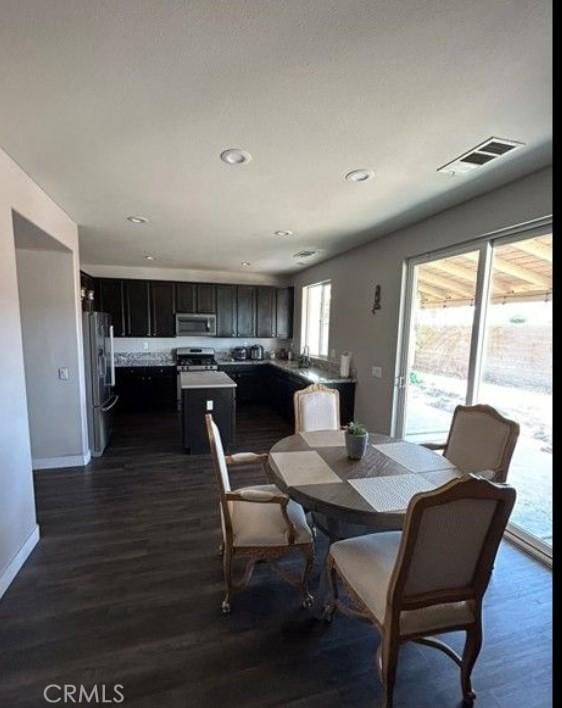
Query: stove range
<point x="196" y="359"/>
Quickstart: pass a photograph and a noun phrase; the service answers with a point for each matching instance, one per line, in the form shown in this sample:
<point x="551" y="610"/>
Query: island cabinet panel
<point x="284" y="313"/>
<point x="162" y="297"/>
<point x="110" y="298"/>
<point x="196" y="402"/>
<point x="186" y="297"/>
<point x="266" y="312"/>
<point x="246" y="311"/>
<point x="137" y="298"/>
<point x="226" y="311"/>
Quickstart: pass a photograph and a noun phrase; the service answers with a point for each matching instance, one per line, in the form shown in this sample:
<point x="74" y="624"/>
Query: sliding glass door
<point x="478" y="328"/>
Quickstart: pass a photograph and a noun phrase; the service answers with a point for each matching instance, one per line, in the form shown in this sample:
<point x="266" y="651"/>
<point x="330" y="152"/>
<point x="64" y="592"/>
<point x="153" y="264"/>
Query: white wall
<point x="18" y="526"/>
<point x="46" y="292"/>
<point x="373" y="339"/>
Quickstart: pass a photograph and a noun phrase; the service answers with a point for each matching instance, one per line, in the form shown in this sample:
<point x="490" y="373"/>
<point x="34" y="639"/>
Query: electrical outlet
<point x="63" y="373"/>
<point x="209" y="406"/>
<point x="377" y="372"/>
<point x="332" y="354"/>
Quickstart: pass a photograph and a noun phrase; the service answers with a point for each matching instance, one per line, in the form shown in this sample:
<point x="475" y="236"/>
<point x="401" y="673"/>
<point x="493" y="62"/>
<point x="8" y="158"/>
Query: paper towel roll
<point x="345" y="364"/>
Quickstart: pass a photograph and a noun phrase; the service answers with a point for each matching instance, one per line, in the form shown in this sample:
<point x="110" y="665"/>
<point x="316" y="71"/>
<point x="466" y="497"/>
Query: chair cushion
<point x="366" y="563"/>
<point x="255" y="524"/>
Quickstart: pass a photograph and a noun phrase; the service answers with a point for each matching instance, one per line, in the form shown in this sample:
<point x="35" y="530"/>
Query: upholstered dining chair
<point x="428" y="579"/>
<point x="316" y="408"/>
<point x="258" y="522"/>
<point x="480" y="440"/>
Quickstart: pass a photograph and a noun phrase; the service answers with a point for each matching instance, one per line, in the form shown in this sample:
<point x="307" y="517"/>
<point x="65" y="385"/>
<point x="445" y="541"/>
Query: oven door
<point x="188" y="325"/>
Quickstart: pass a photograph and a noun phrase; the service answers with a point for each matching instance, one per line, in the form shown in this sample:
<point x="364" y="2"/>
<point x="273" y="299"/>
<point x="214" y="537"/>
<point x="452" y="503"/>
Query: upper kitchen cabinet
<point x="284" y="312"/>
<point x="246" y="311"/>
<point x="226" y="311"/>
<point x="196" y="297"/>
<point x="186" y="297"/>
<point x="265" y="312"/>
<point x="110" y="298"/>
<point x="206" y="302"/>
<point x="137" y="299"/>
<point x="162" y="297"/>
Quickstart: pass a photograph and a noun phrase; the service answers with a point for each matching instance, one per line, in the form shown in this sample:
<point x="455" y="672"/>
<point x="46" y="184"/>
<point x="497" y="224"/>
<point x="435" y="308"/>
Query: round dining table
<point x="314" y="469"/>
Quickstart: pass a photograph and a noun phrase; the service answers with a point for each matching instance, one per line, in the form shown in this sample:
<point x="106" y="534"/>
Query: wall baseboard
<point x="49" y="463"/>
<point x="14" y="566"/>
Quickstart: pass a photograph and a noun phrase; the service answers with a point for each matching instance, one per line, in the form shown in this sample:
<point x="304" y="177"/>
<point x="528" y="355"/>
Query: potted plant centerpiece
<point x="356" y="439"/>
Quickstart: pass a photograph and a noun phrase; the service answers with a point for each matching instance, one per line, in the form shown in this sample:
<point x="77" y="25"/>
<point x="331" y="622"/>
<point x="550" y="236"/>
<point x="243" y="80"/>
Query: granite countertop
<point x="313" y="374"/>
<point x="206" y="379"/>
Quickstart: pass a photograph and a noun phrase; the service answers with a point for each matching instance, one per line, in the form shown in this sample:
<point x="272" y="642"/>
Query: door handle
<point x="111" y="405"/>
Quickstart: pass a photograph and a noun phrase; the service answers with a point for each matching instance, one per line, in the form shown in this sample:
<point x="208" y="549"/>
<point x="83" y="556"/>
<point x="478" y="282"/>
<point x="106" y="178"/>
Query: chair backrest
<point x="317" y="408"/>
<point x="219" y="464"/>
<point x="481" y="439"/>
<point x="450" y="539"/>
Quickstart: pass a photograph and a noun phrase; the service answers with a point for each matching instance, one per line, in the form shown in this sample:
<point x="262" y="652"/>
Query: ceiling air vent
<point x="487" y="151"/>
<point x="304" y="254"/>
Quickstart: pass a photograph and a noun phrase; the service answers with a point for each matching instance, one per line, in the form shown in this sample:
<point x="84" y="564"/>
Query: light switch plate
<point x="63" y="373"/>
<point x="209" y="406"/>
<point x="377" y="372"/>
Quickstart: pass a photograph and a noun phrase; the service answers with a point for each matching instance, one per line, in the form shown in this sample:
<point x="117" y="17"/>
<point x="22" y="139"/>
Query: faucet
<point x="304" y="359"/>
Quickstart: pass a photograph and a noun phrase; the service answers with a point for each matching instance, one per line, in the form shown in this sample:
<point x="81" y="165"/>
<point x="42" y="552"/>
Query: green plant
<point x="415" y="378"/>
<point x="356" y="429"/>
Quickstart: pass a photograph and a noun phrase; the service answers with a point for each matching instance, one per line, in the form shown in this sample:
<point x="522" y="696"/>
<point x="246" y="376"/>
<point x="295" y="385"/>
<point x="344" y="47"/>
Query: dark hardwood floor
<point x="125" y="587"/>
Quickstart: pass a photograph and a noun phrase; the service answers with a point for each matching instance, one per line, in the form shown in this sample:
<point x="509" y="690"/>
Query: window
<point x="316" y="318"/>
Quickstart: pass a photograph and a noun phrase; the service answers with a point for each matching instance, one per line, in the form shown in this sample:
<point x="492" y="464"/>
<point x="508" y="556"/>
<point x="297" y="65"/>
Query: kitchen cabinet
<point x="145" y="388"/>
<point x="246" y="311"/>
<point x="110" y="298"/>
<point x="206" y="299"/>
<point x="162" y="298"/>
<point x="266" y="312"/>
<point x="249" y="380"/>
<point x="137" y="298"/>
<point x="196" y="297"/>
<point x="284" y="304"/>
<point x="226" y="310"/>
<point x="195" y="405"/>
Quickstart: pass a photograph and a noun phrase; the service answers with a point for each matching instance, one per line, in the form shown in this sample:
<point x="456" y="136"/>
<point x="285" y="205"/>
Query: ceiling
<point x="122" y="107"/>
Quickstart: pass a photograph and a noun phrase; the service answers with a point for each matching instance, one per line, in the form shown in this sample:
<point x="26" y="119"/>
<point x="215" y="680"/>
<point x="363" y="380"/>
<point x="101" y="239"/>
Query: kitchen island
<point x="206" y="392"/>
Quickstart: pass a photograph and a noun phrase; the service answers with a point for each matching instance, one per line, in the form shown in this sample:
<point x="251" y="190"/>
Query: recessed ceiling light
<point x="137" y="219"/>
<point x="362" y="175"/>
<point x="246" y="264"/>
<point x="235" y="156"/>
<point x="149" y="258"/>
<point x="283" y="233"/>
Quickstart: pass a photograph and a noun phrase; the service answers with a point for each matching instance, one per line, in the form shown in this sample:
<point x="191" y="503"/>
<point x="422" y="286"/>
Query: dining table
<point x="355" y="496"/>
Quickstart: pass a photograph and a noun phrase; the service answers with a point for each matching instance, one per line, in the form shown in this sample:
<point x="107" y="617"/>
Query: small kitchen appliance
<point x="256" y="352"/>
<point x="240" y="353"/>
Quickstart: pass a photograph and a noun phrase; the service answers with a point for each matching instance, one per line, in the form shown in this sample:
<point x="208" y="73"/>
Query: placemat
<point x="324" y="438"/>
<point x="414" y="457"/>
<point x="391" y="493"/>
<point x="303" y="467"/>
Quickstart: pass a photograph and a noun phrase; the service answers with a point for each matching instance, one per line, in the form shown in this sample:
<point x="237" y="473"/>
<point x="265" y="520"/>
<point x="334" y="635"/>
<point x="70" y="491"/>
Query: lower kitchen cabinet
<point x="145" y="388"/>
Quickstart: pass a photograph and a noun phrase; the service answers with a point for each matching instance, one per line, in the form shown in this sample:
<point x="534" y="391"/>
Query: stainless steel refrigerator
<point x="100" y="378"/>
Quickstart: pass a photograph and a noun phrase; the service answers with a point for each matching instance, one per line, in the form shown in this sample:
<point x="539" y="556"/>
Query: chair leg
<point x="389" y="660"/>
<point x="470" y="653"/>
<point x="309" y="564"/>
<point x="330" y="607"/>
<point x="227" y="566"/>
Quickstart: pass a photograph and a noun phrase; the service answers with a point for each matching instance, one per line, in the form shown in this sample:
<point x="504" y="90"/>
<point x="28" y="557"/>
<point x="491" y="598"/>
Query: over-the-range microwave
<point x="190" y="324"/>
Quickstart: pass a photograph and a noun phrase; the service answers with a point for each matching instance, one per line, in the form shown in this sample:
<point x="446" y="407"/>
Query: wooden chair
<point x="480" y="440"/>
<point x="316" y="408"/>
<point x="258" y="522"/>
<point x="428" y="579"/>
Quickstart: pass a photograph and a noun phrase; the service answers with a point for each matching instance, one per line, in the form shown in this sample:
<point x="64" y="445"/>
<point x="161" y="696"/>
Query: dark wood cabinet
<point x="137" y="298"/>
<point x="246" y="311"/>
<point x="162" y="297"/>
<point x="226" y="310"/>
<point x="143" y="388"/>
<point x="284" y="312"/>
<point x="195" y="404"/>
<point x="206" y="299"/>
<point x="266" y="312"/>
<point x="111" y="299"/>
<point x="186" y="297"/>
